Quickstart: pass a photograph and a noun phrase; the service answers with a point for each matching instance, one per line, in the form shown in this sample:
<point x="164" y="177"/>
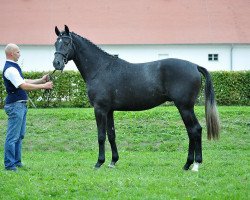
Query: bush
<point x="231" y="88"/>
<point x="69" y="91"/>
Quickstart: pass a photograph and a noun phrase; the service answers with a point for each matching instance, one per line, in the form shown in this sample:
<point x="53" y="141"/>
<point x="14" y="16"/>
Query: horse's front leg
<point x="101" y="121"/>
<point x="111" y="137"/>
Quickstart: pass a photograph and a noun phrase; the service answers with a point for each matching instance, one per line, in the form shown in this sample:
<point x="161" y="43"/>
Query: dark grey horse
<point x="114" y="84"/>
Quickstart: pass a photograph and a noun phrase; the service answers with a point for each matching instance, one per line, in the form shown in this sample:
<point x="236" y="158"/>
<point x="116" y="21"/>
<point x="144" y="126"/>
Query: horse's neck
<point x="89" y="61"/>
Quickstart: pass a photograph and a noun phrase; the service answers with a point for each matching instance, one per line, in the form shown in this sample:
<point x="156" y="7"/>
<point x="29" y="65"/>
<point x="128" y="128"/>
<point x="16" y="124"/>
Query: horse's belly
<point x="133" y="103"/>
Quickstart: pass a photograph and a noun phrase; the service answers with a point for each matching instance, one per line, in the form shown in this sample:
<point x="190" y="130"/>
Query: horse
<point x="114" y="84"/>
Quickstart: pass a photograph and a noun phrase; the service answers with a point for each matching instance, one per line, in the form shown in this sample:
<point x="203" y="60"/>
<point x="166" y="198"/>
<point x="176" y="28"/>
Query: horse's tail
<point x="212" y="117"/>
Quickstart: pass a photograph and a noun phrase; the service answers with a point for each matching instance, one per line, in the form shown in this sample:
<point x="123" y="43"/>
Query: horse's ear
<point x="57" y="31"/>
<point x="66" y="29"/>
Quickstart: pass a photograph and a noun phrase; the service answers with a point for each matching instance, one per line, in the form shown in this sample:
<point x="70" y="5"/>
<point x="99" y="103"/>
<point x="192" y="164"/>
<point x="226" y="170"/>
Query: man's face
<point x="16" y="54"/>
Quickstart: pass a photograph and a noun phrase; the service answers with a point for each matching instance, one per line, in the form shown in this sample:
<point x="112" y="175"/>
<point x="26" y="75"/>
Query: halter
<point x="65" y="56"/>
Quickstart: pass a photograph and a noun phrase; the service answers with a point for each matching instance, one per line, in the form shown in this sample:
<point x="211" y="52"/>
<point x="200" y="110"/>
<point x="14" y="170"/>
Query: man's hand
<point x="48" y="85"/>
<point x="45" y="78"/>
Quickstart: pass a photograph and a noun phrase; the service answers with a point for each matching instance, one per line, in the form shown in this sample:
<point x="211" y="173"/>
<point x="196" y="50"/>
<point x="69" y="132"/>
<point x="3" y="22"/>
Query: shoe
<point x="20" y="165"/>
<point x="14" y="169"/>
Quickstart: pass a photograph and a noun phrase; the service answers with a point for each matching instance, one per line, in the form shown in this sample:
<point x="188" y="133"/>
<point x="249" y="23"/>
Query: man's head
<point x="12" y="52"/>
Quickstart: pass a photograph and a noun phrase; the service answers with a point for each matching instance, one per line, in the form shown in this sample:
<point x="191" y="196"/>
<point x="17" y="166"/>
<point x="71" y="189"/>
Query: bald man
<point x="15" y="105"/>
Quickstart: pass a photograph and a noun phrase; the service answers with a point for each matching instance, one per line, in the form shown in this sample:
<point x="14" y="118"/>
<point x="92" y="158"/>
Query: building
<point x="214" y="34"/>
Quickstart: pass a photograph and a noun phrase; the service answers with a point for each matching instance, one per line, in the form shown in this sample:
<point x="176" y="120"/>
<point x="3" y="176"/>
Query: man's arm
<point x="30" y="86"/>
<point x="44" y="79"/>
<point x="13" y="75"/>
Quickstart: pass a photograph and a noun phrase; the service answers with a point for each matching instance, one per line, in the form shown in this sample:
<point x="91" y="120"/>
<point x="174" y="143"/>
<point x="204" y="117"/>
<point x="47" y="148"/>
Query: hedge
<point x="69" y="91"/>
<point x="231" y="88"/>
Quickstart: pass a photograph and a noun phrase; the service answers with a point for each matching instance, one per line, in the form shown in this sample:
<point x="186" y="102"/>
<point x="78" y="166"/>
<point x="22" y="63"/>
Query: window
<point x="213" y="57"/>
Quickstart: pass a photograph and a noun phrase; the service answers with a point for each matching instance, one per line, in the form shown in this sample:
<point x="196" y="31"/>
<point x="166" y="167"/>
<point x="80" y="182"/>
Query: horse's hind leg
<point x="194" y="133"/>
<point x="111" y="137"/>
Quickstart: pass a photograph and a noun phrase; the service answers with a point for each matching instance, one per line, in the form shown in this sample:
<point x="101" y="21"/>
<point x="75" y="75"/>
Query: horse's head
<point x="64" y="48"/>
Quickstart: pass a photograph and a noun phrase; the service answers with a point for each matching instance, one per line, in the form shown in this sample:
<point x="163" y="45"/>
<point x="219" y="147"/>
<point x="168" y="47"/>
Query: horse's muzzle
<point x="58" y="64"/>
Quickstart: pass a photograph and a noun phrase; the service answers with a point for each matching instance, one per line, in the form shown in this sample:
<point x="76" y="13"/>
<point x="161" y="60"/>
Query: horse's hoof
<point x="195" y="167"/>
<point x="97" y="166"/>
<point x="186" y="166"/>
<point x="112" y="165"/>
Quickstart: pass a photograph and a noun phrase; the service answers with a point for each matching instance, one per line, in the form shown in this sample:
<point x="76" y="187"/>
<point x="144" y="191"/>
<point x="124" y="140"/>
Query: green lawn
<point x="60" y="150"/>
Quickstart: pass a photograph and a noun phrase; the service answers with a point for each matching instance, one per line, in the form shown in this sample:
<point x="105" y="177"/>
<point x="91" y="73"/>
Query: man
<point x="15" y="105"/>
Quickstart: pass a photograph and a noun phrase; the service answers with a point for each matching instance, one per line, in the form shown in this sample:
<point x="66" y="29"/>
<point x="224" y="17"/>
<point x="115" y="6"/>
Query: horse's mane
<point x="92" y="44"/>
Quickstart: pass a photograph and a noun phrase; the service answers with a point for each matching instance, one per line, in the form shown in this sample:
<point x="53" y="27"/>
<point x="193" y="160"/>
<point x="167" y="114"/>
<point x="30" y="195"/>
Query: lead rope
<point x="50" y="76"/>
<point x="47" y="91"/>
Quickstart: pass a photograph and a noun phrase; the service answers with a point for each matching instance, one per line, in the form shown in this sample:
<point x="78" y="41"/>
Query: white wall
<point x="241" y="57"/>
<point x="194" y="53"/>
<point x="33" y="58"/>
<point x="39" y="58"/>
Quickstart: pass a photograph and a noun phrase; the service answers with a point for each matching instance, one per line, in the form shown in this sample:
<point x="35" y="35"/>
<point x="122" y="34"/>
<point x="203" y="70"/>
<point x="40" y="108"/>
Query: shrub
<point x="231" y="88"/>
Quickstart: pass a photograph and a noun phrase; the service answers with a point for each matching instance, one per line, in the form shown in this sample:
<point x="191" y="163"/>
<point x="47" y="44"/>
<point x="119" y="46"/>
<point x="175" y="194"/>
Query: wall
<point x="39" y="58"/>
<point x="33" y="58"/>
<point x="241" y="57"/>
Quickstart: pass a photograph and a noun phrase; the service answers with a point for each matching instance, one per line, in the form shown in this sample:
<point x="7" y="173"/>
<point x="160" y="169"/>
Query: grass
<point x="60" y="150"/>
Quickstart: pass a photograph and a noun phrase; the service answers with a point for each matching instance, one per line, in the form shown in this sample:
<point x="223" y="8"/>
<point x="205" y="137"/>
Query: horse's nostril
<point x="56" y="63"/>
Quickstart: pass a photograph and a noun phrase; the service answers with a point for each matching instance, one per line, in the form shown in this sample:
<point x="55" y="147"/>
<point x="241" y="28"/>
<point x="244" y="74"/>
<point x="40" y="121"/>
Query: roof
<point x="32" y="22"/>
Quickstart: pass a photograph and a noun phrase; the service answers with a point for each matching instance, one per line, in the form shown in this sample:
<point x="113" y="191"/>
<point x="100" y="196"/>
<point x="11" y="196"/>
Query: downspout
<point x="231" y="57"/>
